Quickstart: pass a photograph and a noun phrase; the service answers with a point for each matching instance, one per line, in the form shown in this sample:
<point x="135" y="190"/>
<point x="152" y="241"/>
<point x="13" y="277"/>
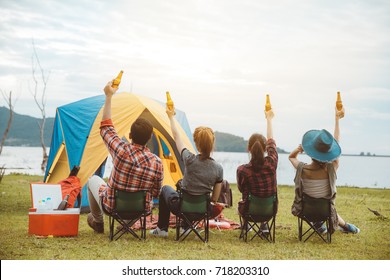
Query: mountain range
<point x="24" y="131"/>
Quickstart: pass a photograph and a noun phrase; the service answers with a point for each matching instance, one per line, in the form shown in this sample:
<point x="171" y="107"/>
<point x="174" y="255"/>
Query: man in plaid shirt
<point x="135" y="167"/>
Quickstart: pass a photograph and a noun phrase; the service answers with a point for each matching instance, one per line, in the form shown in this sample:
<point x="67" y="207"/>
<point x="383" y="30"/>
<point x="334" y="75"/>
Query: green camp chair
<point x="130" y="207"/>
<point x="194" y="209"/>
<point x="315" y="213"/>
<point x="261" y="210"/>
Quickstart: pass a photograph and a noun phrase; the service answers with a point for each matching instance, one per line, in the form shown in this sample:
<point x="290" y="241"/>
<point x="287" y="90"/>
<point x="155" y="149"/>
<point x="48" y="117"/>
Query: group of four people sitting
<point x="135" y="168"/>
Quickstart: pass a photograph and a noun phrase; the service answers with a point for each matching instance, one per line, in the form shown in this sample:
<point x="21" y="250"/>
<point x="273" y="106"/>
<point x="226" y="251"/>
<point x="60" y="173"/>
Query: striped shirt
<point x="135" y="168"/>
<point x="260" y="183"/>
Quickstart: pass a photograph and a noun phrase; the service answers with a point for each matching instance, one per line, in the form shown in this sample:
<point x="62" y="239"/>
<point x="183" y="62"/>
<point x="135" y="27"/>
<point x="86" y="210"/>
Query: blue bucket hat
<point x="321" y="145"/>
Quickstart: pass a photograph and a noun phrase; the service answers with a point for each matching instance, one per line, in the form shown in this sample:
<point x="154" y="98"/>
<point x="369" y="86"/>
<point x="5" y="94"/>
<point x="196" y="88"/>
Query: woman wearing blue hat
<point x="318" y="179"/>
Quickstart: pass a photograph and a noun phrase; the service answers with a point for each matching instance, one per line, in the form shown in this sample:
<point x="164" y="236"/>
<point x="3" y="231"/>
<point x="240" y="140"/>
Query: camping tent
<point x="76" y="136"/>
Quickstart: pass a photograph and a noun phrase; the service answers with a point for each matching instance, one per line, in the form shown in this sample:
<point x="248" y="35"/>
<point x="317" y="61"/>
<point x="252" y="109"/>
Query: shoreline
<point x="350" y="173"/>
<point x="281" y="153"/>
<point x="233" y="183"/>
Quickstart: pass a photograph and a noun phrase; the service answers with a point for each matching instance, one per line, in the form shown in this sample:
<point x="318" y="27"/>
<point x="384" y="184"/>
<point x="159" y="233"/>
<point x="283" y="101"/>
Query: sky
<point x="218" y="59"/>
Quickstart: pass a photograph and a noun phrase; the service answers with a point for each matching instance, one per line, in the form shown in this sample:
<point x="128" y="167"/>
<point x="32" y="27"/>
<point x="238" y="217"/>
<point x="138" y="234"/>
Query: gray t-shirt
<point x="200" y="176"/>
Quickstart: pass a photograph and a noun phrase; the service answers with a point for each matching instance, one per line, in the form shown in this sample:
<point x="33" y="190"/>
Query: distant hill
<point x="24" y="129"/>
<point x="225" y="142"/>
<point x="25" y="132"/>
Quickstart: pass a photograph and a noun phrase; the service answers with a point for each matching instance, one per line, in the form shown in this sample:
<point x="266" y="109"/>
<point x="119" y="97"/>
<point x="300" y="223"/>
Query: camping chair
<point x="130" y="207"/>
<point x="261" y="210"/>
<point x="193" y="210"/>
<point x="315" y="212"/>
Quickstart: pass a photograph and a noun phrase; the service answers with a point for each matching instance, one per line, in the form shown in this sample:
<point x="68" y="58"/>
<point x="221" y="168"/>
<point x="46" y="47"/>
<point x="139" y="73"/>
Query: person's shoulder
<point x="332" y="166"/>
<point x="155" y="157"/>
<point x="243" y="167"/>
<point x="187" y="155"/>
<point x="305" y="165"/>
<point x="148" y="153"/>
<point x="271" y="141"/>
<point x="218" y="165"/>
<point x="271" y="144"/>
<point x="186" y="152"/>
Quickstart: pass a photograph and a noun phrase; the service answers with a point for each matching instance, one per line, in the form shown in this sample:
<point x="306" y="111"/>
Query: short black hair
<point x="141" y="131"/>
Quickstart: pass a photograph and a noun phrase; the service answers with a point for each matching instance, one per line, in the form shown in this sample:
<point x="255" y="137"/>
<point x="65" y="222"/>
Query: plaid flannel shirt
<point x="135" y="168"/>
<point x="261" y="183"/>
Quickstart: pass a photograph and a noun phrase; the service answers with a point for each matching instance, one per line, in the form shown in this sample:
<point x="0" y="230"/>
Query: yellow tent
<point x="76" y="136"/>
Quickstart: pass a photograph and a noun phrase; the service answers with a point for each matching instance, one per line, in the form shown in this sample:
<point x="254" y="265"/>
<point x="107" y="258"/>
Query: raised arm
<point x="293" y="157"/>
<point x="339" y="114"/>
<point x="176" y="135"/>
<point x="109" y="91"/>
<point x="269" y="115"/>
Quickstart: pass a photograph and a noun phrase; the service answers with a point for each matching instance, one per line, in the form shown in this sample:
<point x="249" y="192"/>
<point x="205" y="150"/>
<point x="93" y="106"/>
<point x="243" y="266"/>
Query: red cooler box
<point x="43" y="219"/>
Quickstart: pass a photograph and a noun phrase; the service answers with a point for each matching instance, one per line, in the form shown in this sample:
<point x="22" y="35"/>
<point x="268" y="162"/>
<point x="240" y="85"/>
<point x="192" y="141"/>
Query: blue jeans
<point x="169" y="201"/>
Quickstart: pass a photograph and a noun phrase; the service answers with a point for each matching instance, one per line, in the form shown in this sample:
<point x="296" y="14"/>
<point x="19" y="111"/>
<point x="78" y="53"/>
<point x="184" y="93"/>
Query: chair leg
<point x="313" y="230"/>
<point x="328" y="234"/>
<point x="299" y="229"/>
<point x="270" y="236"/>
<point x="178" y="221"/>
<point x="320" y="234"/>
<point x="143" y="227"/>
<point x="271" y="229"/>
<point x="256" y="229"/>
<point x="111" y="221"/>
<point x="248" y="228"/>
<point x="126" y="227"/>
<point x="245" y="229"/>
<point x="192" y="225"/>
<point x="274" y="229"/>
<point x="242" y="227"/>
<point x="207" y="229"/>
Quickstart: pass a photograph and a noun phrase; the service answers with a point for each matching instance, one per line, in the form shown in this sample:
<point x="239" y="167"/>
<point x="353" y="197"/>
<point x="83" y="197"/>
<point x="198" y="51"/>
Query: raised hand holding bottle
<point x="117" y="80"/>
<point x="170" y="104"/>
<point x="339" y="105"/>
<point x="267" y="103"/>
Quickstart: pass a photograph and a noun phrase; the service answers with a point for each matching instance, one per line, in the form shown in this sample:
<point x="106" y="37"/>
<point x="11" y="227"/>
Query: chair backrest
<point x="128" y="203"/>
<point x="194" y="203"/>
<point x="262" y="208"/>
<point x="315" y="209"/>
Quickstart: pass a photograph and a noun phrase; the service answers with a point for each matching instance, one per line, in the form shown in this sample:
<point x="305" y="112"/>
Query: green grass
<point x="371" y="244"/>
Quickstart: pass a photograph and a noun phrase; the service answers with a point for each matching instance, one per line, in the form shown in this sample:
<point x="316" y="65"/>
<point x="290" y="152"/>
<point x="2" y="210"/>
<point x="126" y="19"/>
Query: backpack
<point x="226" y="196"/>
<point x="71" y="186"/>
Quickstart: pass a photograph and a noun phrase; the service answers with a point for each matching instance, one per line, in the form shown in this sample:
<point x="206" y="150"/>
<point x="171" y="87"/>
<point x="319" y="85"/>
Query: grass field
<point x="372" y="243"/>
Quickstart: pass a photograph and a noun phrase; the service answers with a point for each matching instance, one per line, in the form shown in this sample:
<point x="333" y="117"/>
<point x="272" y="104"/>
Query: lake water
<point x="359" y="171"/>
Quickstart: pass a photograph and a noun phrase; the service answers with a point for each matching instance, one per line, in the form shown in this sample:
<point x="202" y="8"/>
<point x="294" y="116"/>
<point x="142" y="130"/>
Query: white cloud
<point x="218" y="58"/>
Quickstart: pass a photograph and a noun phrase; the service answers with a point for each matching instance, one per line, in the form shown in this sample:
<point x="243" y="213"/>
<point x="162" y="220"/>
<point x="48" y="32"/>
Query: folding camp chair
<point x="130" y="207"/>
<point x="193" y="210"/>
<point x="261" y="210"/>
<point x="315" y="213"/>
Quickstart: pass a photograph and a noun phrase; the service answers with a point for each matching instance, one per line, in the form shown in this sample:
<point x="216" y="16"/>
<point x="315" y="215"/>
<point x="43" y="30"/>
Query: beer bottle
<point x="339" y="103"/>
<point x="170" y="103"/>
<point x="267" y="103"/>
<point x="117" y="80"/>
<point x="63" y="203"/>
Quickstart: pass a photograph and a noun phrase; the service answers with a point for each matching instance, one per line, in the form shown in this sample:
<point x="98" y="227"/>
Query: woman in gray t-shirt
<point x="201" y="173"/>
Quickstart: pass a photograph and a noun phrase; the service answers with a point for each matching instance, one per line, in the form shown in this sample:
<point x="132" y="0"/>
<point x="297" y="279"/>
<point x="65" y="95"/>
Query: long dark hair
<point x="256" y="147"/>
